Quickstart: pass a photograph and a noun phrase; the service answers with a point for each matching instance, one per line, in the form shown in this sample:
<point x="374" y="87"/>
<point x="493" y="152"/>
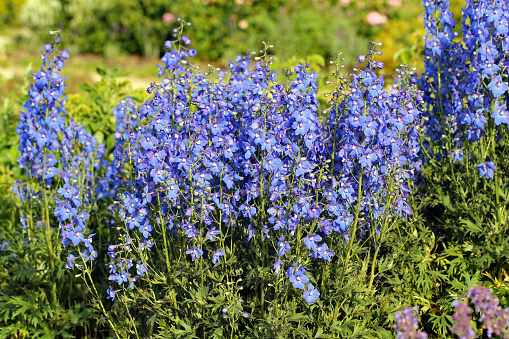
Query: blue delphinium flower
<point x="111" y="293"/>
<point x="487" y="169"/>
<point x="457" y="155"/>
<point x="216" y="255"/>
<point x="469" y="80"/>
<point x="298" y="277"/>
<point x="283" y="246"/>
<point x="497" y="86"/>
<point x="245" y="154"/>
<point x="195" y="252"/>
<point x="500" y="114"/>
<point x="311" y="294"/>
<point x="311" y="241"/>
<point x="45" y="136"/>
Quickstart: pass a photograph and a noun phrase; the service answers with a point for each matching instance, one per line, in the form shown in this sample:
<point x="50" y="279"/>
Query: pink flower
<point x="168" y="17"/>
<point x="375" y="19"/>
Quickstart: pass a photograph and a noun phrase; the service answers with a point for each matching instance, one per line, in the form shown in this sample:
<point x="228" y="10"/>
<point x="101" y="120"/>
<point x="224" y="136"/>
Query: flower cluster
<point x="43" y="117"/>
<point x="241" y="153"/>
<point x="465" y="82"/>
<point x="218" y="153"/>
<point x="407" y="325"/>
<point x="461" y="317"/>
<point x="373" y="144"/>
<point x="60" y="157"/>
<point x="495" y="319"/>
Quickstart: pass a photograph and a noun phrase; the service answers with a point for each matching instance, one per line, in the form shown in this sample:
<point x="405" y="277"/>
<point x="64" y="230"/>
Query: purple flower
<point x="407" y="325"/>
<point x="493" y="317"/>
<point x="461" y="317"/>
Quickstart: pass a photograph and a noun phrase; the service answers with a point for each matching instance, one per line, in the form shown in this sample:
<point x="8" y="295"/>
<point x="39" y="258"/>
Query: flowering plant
<point x="231" y="195"/>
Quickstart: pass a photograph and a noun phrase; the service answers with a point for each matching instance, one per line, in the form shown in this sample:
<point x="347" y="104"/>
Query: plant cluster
<point x="231" y="202"/>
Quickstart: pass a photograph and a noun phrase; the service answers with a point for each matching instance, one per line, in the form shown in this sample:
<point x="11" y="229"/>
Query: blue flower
<point x="67" y="191"/>
<point x="299" y="279"/>
<point x="457" y="154"/>
<point x="486" y="169"/>
<point x="70" y="261"/>
<point x="147" y="142"/>
<point x="311" y="294"/>
<point x="500" y="114"/>
<point x="324" y="253"/>
<point x="498" y="86"/>
<point x="195" y="252"/>
<point x="111" y="294"/>
<point x="311" y="241"/>
<point x="216" y="255"/>
<point x="278" y="265"/>
<point x="283" y="247"/>
<point x="212" y="234"/>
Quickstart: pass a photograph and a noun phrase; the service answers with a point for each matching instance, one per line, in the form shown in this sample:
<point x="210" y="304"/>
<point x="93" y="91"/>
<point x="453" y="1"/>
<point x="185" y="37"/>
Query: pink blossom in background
<point x="168" y="17"/>
<point x="243" y="24"/>
<point x="395" y="3"/>
<point x="375" y="19"/>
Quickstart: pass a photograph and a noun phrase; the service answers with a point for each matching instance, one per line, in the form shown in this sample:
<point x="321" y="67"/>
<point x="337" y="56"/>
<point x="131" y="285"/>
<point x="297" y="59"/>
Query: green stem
<point x="354" y="229"/>
<point x="163" y="230"/>
<point x="96" y="295"/>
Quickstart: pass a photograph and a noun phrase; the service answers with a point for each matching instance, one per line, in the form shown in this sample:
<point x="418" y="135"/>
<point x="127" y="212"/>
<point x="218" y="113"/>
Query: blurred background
<point x="130" y="33"/>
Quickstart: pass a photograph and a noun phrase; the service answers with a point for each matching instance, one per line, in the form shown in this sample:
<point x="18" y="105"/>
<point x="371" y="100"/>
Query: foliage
<point x="223" y="28"/>
<point x="9" y="11"/>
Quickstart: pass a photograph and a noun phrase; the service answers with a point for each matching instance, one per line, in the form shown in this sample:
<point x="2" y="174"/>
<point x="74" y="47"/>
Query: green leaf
<point x="101" y="71"/>
<point x="383" y="333"/>
<point x="447" y="203"/>
<point x="298" y="317"/>
<point x="473" y="228"/>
